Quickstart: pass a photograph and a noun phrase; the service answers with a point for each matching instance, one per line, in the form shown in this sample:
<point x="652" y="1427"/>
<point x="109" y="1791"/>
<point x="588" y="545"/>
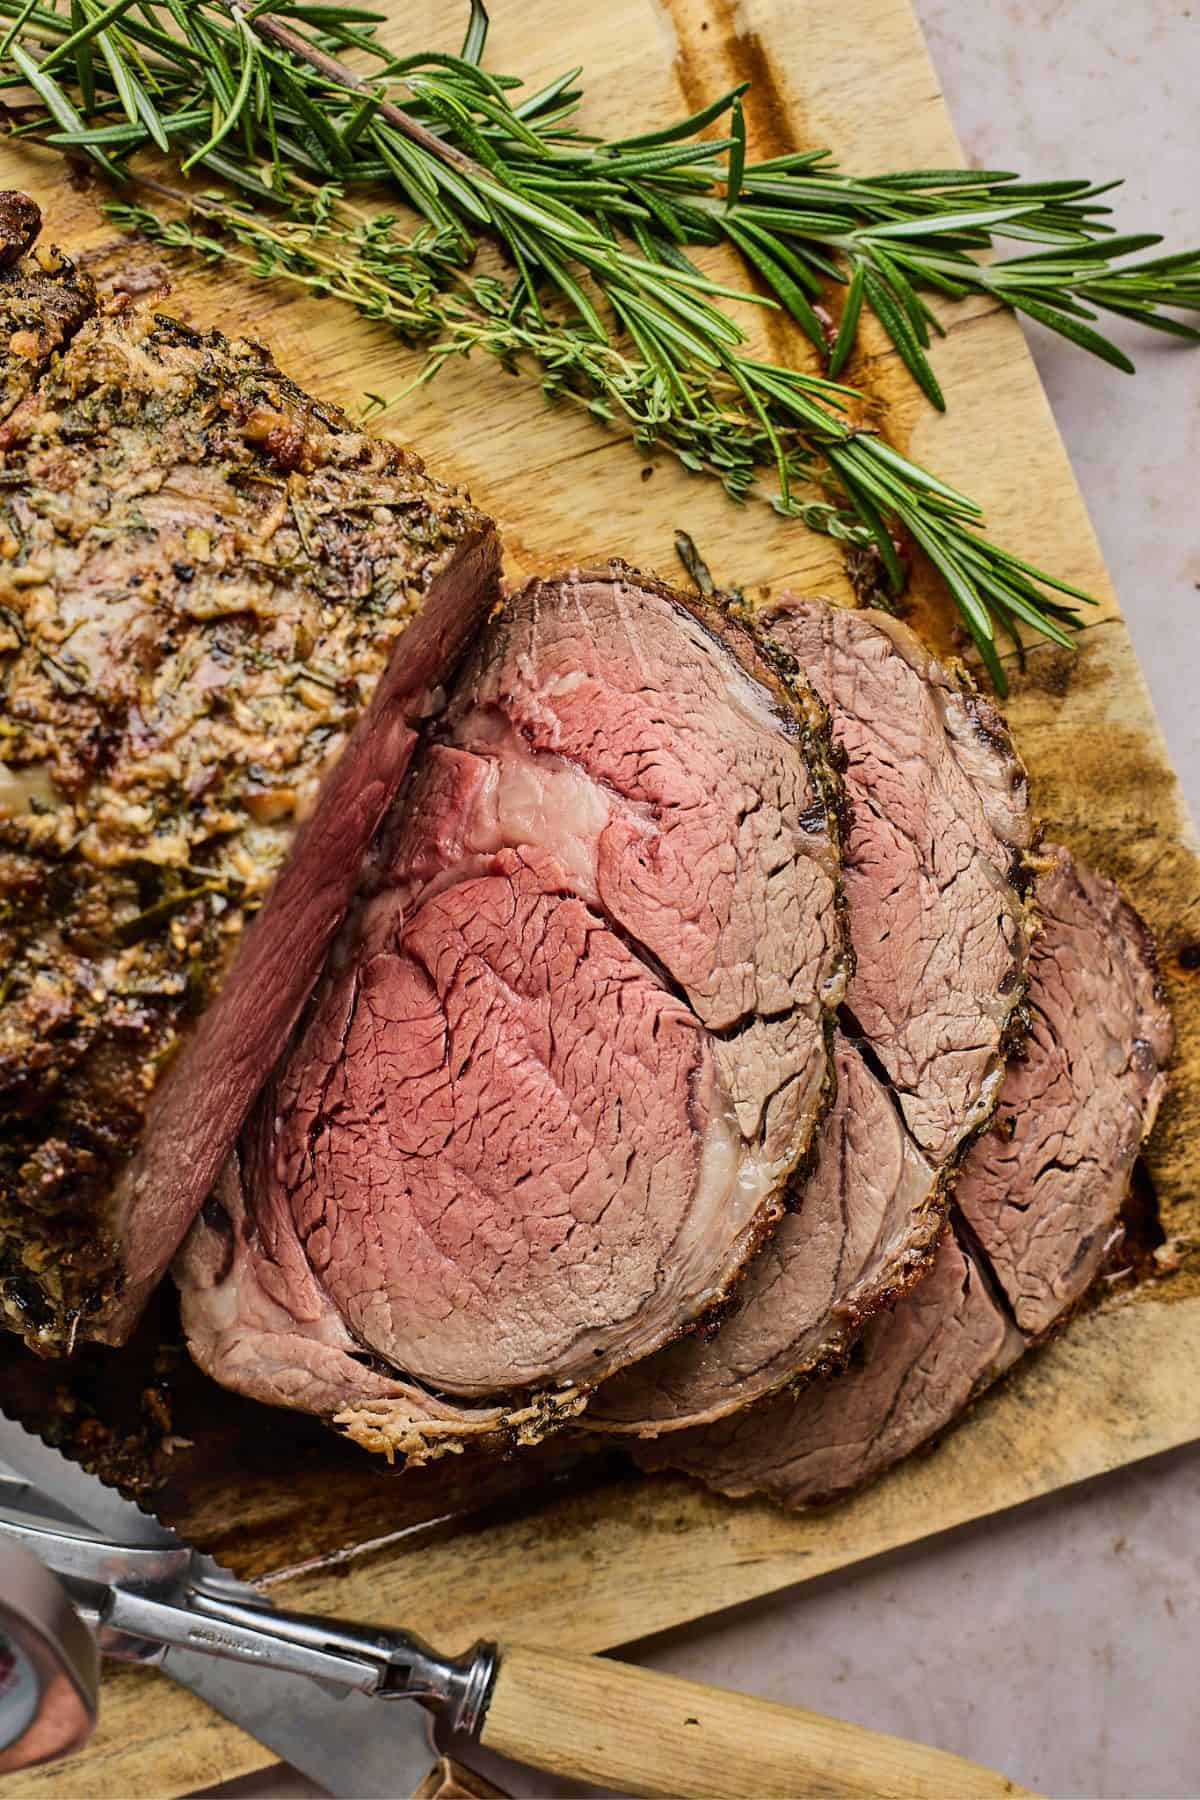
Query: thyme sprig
<point x="604" y="302"/>
<point x="731" y="421"/>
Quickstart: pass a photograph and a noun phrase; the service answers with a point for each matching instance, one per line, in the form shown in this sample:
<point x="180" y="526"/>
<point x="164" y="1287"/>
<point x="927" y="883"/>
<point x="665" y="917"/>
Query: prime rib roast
<point x="936" y="841"/>
<point x="224" y="614"/>
<point x="589" y="1005"/>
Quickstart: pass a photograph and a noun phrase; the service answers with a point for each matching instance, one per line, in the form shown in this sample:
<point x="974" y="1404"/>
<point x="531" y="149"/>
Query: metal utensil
<point x="153" y="1599"/>
<point x="132" y="1576"/>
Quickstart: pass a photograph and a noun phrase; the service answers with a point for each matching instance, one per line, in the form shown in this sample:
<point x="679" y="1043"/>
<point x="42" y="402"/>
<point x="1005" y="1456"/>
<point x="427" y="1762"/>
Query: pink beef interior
<point x="513" y="1137"/>
<point x="573" y="1040"/>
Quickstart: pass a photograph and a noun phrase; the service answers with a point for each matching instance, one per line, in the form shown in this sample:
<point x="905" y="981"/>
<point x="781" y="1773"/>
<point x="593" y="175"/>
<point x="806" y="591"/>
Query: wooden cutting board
<point x="588" y="1555"/>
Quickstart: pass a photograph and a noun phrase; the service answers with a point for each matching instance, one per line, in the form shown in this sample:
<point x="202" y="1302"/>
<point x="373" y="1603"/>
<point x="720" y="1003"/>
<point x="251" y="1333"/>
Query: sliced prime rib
<point x="224" y="613"/>
<point x="1042" y="1190"/>
<point x="570" y="1047"/>
<point x="1038" y="1204"/>
<point x="935" y="869"/>
<point x="937" y="828"/>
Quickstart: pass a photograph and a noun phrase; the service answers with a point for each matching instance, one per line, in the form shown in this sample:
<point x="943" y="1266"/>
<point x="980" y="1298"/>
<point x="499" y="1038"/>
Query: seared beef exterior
<point x="1040" y="1193"/>
<point x="937" y="830"/>
<point x="570" y="1049"/>
<point x="43" y="299"/>
<point x="222" y="614"/>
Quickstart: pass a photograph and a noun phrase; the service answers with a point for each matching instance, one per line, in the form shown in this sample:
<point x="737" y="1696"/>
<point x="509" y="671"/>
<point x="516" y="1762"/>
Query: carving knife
<point x="314" y="1689"/>
<point x="330" y="1733"/>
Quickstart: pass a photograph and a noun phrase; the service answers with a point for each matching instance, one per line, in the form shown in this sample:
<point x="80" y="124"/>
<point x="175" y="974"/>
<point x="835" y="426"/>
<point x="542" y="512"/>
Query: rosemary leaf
<point x="603" y="306"/>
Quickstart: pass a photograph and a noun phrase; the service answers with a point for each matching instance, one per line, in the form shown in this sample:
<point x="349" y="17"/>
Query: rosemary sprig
<point x="198" y="73"/>
<point x="604" y="300"/>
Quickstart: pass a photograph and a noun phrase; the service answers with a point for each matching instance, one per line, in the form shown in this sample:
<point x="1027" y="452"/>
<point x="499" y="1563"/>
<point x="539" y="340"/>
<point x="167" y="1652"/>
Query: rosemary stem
<point x="341" y="73"/>
<point x="600" y="300"/>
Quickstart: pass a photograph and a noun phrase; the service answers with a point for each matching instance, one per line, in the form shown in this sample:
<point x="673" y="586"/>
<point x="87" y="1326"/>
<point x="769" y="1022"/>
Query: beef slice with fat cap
<point x="569" y="1050"/>
<point x="228" y="613"/>
<point x="1040" y="1193"/>
<point x="937" y="828"/>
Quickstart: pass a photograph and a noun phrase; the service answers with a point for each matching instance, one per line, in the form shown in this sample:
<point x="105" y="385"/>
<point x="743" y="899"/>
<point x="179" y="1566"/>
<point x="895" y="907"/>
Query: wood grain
<point x="588" y="1556"/>
<point x="584" y="1718"/>
<point x="449" y="1780"/>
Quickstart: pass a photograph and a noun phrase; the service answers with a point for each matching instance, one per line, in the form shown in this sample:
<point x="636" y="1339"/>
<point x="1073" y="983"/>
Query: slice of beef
<point x="868" y="1218"/>
<point x="916" y="1368"/>
<point x="1042" y="1189"/>
<point x="223" y="614"/>
<point x="714" y="851"/>
<point x="571" y="1047"/>
<point x="1037" y="1204"/>
<point x="936" y="832"/>
<point x="259" y="1320"/>
<point x="938" y="828"/>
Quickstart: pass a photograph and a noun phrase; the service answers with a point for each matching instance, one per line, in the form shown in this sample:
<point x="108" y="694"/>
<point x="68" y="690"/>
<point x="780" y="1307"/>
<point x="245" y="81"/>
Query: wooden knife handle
<point x="591" y="1719"/>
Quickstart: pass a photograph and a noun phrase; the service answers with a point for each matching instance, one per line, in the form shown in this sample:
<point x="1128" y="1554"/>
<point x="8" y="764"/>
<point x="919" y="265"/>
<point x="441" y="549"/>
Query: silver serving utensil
<point x="152" y="1599"/>
<point x="131" y="1577"/>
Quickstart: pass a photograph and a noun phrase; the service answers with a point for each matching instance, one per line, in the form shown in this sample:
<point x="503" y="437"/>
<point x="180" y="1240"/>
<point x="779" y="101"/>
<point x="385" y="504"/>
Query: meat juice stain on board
<point x="774" y="126"/>
<point x="715" y="50"/>
<point x="710" y="33"/>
